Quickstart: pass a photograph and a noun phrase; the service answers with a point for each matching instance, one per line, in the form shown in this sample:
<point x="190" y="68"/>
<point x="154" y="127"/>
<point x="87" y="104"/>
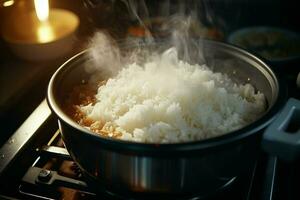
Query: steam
<point x="105" y="55"/>
<point x="181" y="40"/>
<point x="107" y="59"/>
<point x="133" y="7"/>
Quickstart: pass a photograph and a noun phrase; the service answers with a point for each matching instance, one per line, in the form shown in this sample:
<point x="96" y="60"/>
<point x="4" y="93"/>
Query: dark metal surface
<point x="51" y="179"/>
<point x="53" y="151"/>
<point x="19" y="139"/>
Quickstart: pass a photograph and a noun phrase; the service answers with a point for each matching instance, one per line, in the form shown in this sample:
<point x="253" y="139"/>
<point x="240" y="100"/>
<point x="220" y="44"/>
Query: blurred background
<point x="269" y="28"/>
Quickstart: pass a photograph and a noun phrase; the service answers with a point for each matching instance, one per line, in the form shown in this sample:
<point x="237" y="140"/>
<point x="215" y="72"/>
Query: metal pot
<point x="193" y="168"/>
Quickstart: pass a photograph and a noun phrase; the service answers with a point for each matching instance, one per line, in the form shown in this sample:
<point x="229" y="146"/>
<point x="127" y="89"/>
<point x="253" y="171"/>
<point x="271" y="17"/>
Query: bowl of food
<point x="274" y="44"/>
<point x="166" y="123"/>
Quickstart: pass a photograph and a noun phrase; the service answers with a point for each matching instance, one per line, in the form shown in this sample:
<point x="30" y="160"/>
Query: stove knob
<point x="44" y="175"/>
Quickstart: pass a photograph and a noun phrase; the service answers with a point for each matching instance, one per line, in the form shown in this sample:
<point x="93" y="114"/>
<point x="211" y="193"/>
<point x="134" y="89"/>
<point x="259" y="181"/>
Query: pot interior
<point x="239" y="65"/>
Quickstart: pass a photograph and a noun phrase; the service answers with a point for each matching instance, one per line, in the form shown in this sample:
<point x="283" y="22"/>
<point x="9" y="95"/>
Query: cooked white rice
<point x="168" y="100"/>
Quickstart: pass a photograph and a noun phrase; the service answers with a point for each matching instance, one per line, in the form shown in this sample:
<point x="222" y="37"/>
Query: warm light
<point x="42" y="9"/>
<point x="8" y="3"/>
<point x="45" y="33"/>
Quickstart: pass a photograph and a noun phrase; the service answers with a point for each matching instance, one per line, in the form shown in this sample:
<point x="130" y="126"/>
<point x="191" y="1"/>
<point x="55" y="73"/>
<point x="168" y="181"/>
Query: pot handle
<point x="282" y="137"/>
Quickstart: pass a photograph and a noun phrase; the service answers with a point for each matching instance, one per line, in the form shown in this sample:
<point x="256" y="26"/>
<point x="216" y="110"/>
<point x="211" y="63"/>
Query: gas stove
<point x="35" y="165"/>
<point x="33" y="161"/>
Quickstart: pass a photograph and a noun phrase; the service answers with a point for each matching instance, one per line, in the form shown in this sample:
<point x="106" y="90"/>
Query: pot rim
<point x="174" y="148"/>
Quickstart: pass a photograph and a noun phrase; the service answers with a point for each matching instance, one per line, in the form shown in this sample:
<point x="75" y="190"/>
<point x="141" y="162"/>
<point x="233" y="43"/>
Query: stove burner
<point x="54" y="170"/>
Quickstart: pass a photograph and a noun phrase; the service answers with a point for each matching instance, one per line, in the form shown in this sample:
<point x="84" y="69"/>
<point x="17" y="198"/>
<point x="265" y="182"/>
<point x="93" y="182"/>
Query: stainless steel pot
<point x="193" y="168"/>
